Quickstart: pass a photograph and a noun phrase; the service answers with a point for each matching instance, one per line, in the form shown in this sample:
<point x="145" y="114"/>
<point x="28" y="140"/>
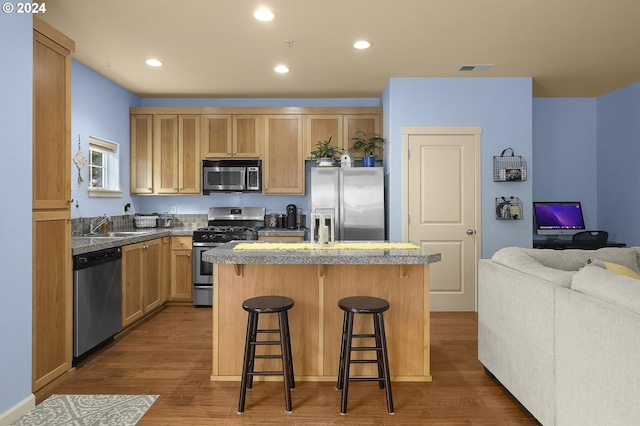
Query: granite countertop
<point x="225" y="254"/>
<point x="88" y="244"/>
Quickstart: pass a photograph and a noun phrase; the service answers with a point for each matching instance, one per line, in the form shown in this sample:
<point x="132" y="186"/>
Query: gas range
<point x="230" y="223"/>
<point x="224" y="224"/>
<point x="224" y="233"/>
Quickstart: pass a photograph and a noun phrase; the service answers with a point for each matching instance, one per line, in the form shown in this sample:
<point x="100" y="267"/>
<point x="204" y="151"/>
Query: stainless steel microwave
<point x="231" y="176"/>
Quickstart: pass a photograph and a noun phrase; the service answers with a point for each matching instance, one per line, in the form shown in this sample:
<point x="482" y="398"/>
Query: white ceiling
<point x="215" y="48"/>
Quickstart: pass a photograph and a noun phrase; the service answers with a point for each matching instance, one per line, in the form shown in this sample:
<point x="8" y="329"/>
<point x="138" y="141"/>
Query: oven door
<point x="202" y="275"/>
<point x="224" y="178"/>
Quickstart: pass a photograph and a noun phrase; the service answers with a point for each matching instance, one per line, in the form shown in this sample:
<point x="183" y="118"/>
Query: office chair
<point x="590" y="239"/>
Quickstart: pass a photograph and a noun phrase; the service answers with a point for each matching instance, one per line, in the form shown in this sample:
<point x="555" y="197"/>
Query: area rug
<point x="85" y="410"/>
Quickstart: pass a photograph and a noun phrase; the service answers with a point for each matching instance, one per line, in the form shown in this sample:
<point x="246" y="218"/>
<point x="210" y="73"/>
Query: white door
<point x="442" y="198"/>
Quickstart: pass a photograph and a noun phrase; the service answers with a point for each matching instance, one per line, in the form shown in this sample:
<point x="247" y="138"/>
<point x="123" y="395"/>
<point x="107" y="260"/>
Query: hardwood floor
<point x="170" y="355"/>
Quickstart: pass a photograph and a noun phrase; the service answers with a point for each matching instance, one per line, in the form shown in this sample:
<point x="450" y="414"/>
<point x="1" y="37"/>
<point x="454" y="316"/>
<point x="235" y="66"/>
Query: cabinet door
<point x="52" y="124"/>
<point x="141" y="165"/>
<point x="189" y="165"/>
<point x="165" y="154"/>
<point x="216" y="136"/>
<point x="283" y="165"/>
<point x="246" y="136"/>
<point x="52" y="294"/>
<point x="319" y="128"/>
<point x="132" y="279"/>
<point x="166" y="269"/>
<point x="152" y="274"/>
<point x="181" y="270"/>
<point x="367" y="123"/>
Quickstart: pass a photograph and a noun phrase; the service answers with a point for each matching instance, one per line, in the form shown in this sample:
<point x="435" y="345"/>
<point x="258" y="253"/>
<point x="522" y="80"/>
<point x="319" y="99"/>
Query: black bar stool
<point x="364" y="305"/>
<point x="267" y="305"/>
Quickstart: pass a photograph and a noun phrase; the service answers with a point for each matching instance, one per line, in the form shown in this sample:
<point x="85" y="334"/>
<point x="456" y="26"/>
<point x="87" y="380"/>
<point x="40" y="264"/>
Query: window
<point x="104" y="173"/>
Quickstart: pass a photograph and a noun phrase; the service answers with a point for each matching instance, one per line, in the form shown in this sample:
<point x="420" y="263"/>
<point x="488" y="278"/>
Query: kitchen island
<point x="316" y="279"/>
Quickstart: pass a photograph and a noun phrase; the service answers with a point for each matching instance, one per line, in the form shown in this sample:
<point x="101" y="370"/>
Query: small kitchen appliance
<point x="292" y="216"/>
<point x="231" y="176"/>
<point x="224" y="224"/>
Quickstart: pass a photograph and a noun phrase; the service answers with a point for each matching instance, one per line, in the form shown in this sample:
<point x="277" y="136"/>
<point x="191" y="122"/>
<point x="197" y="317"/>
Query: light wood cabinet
<point x="166" y="268"/>
<point x="318" y="128"/>
<point x="189" y="159"/>
<point x="169" y="144"/>
<point x="141" y="279"/>
<point x="283" y="158"/>
<point x="231" y="136"/>
<point x="181" y="282"/>
<point x="367" y="123"/>
<point x="52" y="286"/>
<point x="141" y="153"/>
<point x="165" y="154"/>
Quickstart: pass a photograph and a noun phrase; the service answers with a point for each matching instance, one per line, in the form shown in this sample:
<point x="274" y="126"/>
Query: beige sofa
<point x="562" y="334"/>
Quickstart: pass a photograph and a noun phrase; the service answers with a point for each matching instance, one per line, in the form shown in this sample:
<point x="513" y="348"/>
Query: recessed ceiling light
<point x="362" y="44"/>
<point x="264" y="14"/>
<point x="282" y="69"/>
<point x="154" y="62"/>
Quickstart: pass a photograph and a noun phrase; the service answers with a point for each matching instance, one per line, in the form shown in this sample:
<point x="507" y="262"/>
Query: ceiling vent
<point x="474" y="68"/>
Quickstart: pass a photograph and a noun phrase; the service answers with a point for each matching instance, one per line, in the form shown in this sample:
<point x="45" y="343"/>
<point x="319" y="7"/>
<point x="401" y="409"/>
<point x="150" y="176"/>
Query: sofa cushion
<point x="608" y="286"/>
<point x="520" y="259"/>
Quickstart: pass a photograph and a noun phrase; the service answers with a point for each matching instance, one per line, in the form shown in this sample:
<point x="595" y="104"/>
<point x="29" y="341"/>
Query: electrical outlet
<point x="174" y="210"/>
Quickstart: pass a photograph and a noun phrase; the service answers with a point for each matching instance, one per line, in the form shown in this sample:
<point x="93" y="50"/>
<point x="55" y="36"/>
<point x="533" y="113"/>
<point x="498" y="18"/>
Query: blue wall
<point x="100" y="108"/>
<point x="16" y="110"/>
<point x="564" y="149"/>
<point x="618" y="156"/>
<point x="501" y="106"/>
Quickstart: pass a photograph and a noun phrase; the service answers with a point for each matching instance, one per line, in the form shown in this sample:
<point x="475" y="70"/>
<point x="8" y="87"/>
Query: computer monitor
<point x="557" y="218"/>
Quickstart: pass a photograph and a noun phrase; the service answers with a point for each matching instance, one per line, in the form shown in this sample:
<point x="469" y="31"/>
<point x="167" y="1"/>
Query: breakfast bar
<point x="316" y="278"/>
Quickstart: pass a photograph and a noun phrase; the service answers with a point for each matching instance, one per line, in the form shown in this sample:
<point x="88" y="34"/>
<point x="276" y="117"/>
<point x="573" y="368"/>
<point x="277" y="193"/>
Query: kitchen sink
<point x="95" y="239"/>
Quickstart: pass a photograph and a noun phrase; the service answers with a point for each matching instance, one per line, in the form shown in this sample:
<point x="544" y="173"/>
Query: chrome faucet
<point x="96" y="223"/>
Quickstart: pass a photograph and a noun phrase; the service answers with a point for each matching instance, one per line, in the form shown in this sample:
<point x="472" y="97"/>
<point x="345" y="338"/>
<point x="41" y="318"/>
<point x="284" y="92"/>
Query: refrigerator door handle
<point x="340" y="219"/>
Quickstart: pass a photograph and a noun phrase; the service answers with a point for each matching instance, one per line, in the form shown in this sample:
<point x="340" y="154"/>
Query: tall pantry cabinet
<point x="52" y="289"/>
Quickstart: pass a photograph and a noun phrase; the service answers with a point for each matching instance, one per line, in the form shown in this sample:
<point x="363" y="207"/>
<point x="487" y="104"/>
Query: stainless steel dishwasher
<point x="96" y="298"/>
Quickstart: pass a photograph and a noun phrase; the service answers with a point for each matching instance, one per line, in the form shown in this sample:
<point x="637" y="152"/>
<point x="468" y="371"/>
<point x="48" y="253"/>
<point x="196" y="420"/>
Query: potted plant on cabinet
<point x="367" y="144"/>
<point x="325" y="154"/>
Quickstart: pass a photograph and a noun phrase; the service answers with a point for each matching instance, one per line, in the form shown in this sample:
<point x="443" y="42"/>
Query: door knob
<point x="470" y="231"/>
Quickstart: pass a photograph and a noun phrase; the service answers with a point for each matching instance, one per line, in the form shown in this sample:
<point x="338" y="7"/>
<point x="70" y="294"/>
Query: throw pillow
<point x="621" y="270"/>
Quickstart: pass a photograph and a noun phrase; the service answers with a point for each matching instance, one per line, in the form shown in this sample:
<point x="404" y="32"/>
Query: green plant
<point x="366" y="143"/>
<point x="324" y="149"/>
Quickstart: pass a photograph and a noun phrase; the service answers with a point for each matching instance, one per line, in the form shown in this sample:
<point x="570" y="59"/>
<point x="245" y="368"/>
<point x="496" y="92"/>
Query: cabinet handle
<point x="188" y="254"/>
<point x="181" y="242"/>
<point x="229" y="152"/>
<point x="145" y="247"/>
<point x="234" y="152"/>
<point x="175" y="189"/>
<point x="70" y="200"/>
<point x="149" y="188"/>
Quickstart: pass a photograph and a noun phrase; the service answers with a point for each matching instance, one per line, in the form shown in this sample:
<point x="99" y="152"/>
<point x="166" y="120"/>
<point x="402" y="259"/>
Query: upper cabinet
<point x="283" y="160"/>
<point x="165" y="154"/>
<point x="141" y="177"/>
<point x="169" y="144"/>
<point x="319" y="128"/>
<point x="367" y="123"/>
<point x="231" y="136"/>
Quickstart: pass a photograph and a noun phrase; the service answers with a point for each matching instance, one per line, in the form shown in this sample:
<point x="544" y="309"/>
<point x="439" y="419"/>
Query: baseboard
<point x="18" y="410"/>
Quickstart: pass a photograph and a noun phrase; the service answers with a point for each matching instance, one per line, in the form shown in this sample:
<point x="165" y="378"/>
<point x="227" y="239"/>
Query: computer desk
<point x="563" y="245"/>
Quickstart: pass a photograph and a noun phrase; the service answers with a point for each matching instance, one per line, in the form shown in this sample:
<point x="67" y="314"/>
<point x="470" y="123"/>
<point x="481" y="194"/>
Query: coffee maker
<point x="292" y="216"/>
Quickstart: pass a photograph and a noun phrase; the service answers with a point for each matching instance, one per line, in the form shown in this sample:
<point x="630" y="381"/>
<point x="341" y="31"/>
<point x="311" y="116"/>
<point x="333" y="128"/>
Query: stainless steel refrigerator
<point x="355" y="195"/>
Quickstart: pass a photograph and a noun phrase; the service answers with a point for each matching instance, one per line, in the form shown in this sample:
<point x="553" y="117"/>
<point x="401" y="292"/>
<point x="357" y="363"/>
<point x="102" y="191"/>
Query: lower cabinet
<point x="141" y="279"/>
<point x="181" y="281"/>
